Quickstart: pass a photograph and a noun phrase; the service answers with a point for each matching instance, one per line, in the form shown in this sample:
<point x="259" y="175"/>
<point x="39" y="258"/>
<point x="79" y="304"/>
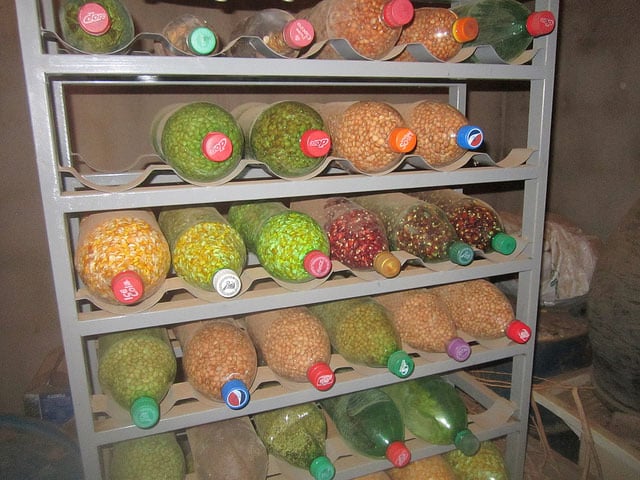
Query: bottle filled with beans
<point x="189" y="34"/>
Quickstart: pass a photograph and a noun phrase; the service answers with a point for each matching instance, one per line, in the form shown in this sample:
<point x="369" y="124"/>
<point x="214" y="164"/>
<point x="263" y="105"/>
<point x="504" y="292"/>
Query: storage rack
<point x="48" y="72"/>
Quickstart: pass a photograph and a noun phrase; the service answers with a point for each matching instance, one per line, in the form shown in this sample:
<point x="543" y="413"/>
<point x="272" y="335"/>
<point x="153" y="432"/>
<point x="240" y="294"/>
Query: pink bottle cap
<point x="127" y="287"/>
<point x="397" y="13"/>
<point x="94" y="19"/>
<point x="458" y="349"/>
<point x="518" y="331"/>
<point x="217" y="147"/>
<point x="398" y="454"/>
<point x="315" y="143"/>
<point x="321" y="376"/>
<point x="298" y="33"/>
<point x="541" y="23"/>
<point x="317" y="264"/>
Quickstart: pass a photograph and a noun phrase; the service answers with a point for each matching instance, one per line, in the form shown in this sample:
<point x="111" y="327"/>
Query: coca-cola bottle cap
<point x="315" y="143"/>
<point x="321" y="376"/>
<point x="226" y="282"/>
<point x="94" y="19"/>
<point x="202" y="41"/>
<point x="541" y="23"/>
<point x="402" y="140"/>
<point x="400" y="364"/>
<point x="397" y="13"/>
<point x="503" y="243"/>
<point x="298" y="33"/>
<point x="398" y="454"/>
<point x="235" y="394"/>
<point x="127" y="287"/>
<point x="465" y="29"/>
<point x="469" y="137"/>
<point x="387" y="264"/>
<point x="145" y="412"/>
<point x="518" y="331"/>
<point x="217" y="147"/>
<point x="317" y="263"/>
<point x="458" y="349"/>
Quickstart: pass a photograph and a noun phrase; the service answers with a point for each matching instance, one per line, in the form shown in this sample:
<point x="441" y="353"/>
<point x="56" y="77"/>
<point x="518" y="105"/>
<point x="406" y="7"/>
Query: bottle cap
<point x="321" y="468"/>
<point x="467" y="442"/>
<point x="127" y="287"/>
<point x="541" y="23"/>
<point x="317" y="264"/>
<point x="315" y="143"/>
<point x="226" y="282"/>
<point x="94" y="19"/>
<point x="145" y="412"/>
<point x="402" y="140"/>
<point x="465" y="29"/>
<point x="400" y="364"/>
<point x="460" y="253"/>
<point x="458" y="349"/>
<point x="387" y="264"/>
<point x="217" y="147"/>
<point x="503" y="243"/>
<point x="398" y="454"/>
<point x="321" y="376"/>
<point x="397" y="13"/>
<point x="298" y="33"/>
<point x="202" y="41"/>
<point x="235" y="394"/>
<point x="469" y="137"/>
<point x="518" y="331"/>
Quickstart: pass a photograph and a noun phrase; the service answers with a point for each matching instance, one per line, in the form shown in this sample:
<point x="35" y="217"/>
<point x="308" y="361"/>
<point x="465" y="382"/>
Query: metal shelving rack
<point x="49" y="72"/>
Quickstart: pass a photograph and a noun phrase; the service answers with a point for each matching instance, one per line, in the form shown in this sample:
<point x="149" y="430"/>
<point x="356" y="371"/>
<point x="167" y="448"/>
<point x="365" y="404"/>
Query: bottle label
<point x="474" y="138"/>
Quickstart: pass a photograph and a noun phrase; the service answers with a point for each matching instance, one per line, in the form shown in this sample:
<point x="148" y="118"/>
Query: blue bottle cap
<point x="235" y="394"/>
<point x="470" y="137"/>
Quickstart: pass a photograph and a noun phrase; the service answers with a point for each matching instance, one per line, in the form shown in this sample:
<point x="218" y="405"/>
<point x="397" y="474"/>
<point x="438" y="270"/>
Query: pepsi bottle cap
<point x="217" y="147"/>
<point x="518" y="331"/>
<point x="315" y="143"/>
<point x="387" y="264"/>
<point x="397" y="13"/>
<point x="145" y="412"/>
<point x="235" y="394"/>
<point x="298" y="33"/>
<point x="127" y="287"/>
<point x="226" y="282"/>
<point x="398" y="454"/>
<point x="460" y="253"/>
<point x="470" y="137"/>
<point x="467" y="442"/>
<point x="503" y="243"/>
<point x="321" y="376"/>
<point x="321" y="468"/>
<point x="541" y="23"/>
<point x="94" y="19"/>
<point x="317" y="264"/>
<point x="458" y="349"/>
<point x="400" y="364"/>
<point x="202" y="41"/>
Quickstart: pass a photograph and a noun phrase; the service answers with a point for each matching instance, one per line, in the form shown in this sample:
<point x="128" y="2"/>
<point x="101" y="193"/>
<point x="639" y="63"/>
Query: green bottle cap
<point x="202" y="41"/>
<point x="145" y="412"/>
<point x="322" y="469"/>
<point x="467" y="442"/>
<point x="503" y="243"/>
<point x="460" y="253"/>
<point x="400" y="364"/>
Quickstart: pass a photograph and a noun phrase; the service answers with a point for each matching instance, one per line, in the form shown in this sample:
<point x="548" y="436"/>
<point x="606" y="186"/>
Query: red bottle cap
<point x="94" y="19"/>
<point x="127" y="287"/>
<point x="541" y="23"/>
<point x="465" y="29"/>
<point x="321" y="376"/>
<point x="458" y="349"/>
<point x="518" y="331"/>
<point x="317" y="264"/>
<point x="298" y="33"/>
<point x="398" y="454"/>
<point x="315" y="143"/>
<point x="217" y="147"/>
<point x="397" y="13"/>
<point x="402" y="140"/>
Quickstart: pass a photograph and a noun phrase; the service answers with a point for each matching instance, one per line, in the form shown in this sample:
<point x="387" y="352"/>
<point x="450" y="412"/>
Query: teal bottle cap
<point x="321" y="468"/>
<point x="460" y="253"/>
<point x="145" y="412"/>
<point x="400" y="364"/>
<point x="503" y="243"/>
<point x="467" y="442"/>
<point x="202" y="41"/>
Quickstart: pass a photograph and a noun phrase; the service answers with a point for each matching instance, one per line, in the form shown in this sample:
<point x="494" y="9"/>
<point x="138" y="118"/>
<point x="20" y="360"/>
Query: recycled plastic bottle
<point x="360" y="329"/>
<point x="122" y="257"/>
<point x="294" y="344"/>
<point x="297" y="435"/>
<point x="433" y="411"/>
<point x="290" y="245"/>
<point x="475" y="221"/>
<point x="417" y="227"/>
<point x="278" y="29"/>
<point x="190" y="34"/>
<point x="506" y="25"/>
<point x="137" y="368"/>
<point x="430" y="468"/>
<point x="200" y="140"/>
<point x="99" y="26"/>
<point x="487" y="464"/>
<point x="424" y="322"/>
<point x="206" y="251"/>
<point x="289" y="137"/>
<point x="370" y="422"/>
<point x="148" y="458"/>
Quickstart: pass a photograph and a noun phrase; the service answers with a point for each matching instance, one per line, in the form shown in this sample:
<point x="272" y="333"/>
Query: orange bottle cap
<point x="217" y="147"/>
<point x="402" y="140"/>
<point x="127" y="287"/>
<point x="465" y="29"/>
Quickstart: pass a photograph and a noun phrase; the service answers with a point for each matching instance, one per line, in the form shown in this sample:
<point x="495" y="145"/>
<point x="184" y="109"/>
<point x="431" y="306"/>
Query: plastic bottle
<point x="148" y="458"/>
<point x="137" y="368"/>
<point x="360" y="329"/>
<point x="206" y="251"/>
<point x="100" y="26"/>
<point x="294" y="344"/>
<point x="290" y="245"/>
<point x="418" y="227"/>
<point x="480" y="309"/>
<point x="289" y="137"/>
<point x="487" y="464"/>
<point x="278" y="29"/>
<point x="430" y="468"/>
<point x="440" y="30"/>
<point x="200" y="140"/>
<point x="190" y="34"/>
<point x="370" y="422"/>
<point x="115" y="269"/>
<point x="297" y="435"/>
<point x="219" y="360"/>
<point x="424" y="322"/>
<point x="475" y="221"/>
<point x="433" y="411"/>
<point x="372" y="27"/>
<point x="506" y="25"/>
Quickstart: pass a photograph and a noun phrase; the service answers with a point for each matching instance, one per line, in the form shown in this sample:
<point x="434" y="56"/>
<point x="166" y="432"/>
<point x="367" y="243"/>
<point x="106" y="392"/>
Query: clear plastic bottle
<point x="190" y="34"/>
<point x="148" y="458"/>
<point x="278" y="29"/>
<point x="487" y="464"/>
<point x="370" y="422"/>
<point x="206" y="251"/>
<point x="137" y="368"/>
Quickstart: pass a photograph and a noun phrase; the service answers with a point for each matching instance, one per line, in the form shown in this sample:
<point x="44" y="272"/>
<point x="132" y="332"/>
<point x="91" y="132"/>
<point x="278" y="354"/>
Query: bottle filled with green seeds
<point x="487" y="464"/>
<point x="148" y="458"/>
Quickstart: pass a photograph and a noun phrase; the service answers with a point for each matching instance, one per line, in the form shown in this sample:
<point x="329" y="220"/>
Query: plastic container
<point x="506" y="25"/>
<point x="206" y="251"/>
<point x="278" y="29"/>
<point x="200" y="140"/>
<point x="190" y="34"/>
<point x="487" y="464"/>
<point x="297" y="435"/>
<point x="294" y="344"/>
<point x="361" y="330"/>
<point x="430" y="468"/>
<point x="372" y="27"/>
<point x="101" y="26"/>
<point x="370" y="423"/>
<point x="137" y="368"/>
<point x="475" y="221"/>
<point x="289" y="137"/>
<point x="228" y="450"/>
<point x="148" y="458"/>
<point x="433" y="411"/>
<point x="418" y="227"/>
<point x="440" y="30"/>
<point x="480" y="309"/>
<point x="219" y="360"/>
<point x="113" y="268"/>
<point x="290" y="245"/>
<point x="424" y="322"/>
